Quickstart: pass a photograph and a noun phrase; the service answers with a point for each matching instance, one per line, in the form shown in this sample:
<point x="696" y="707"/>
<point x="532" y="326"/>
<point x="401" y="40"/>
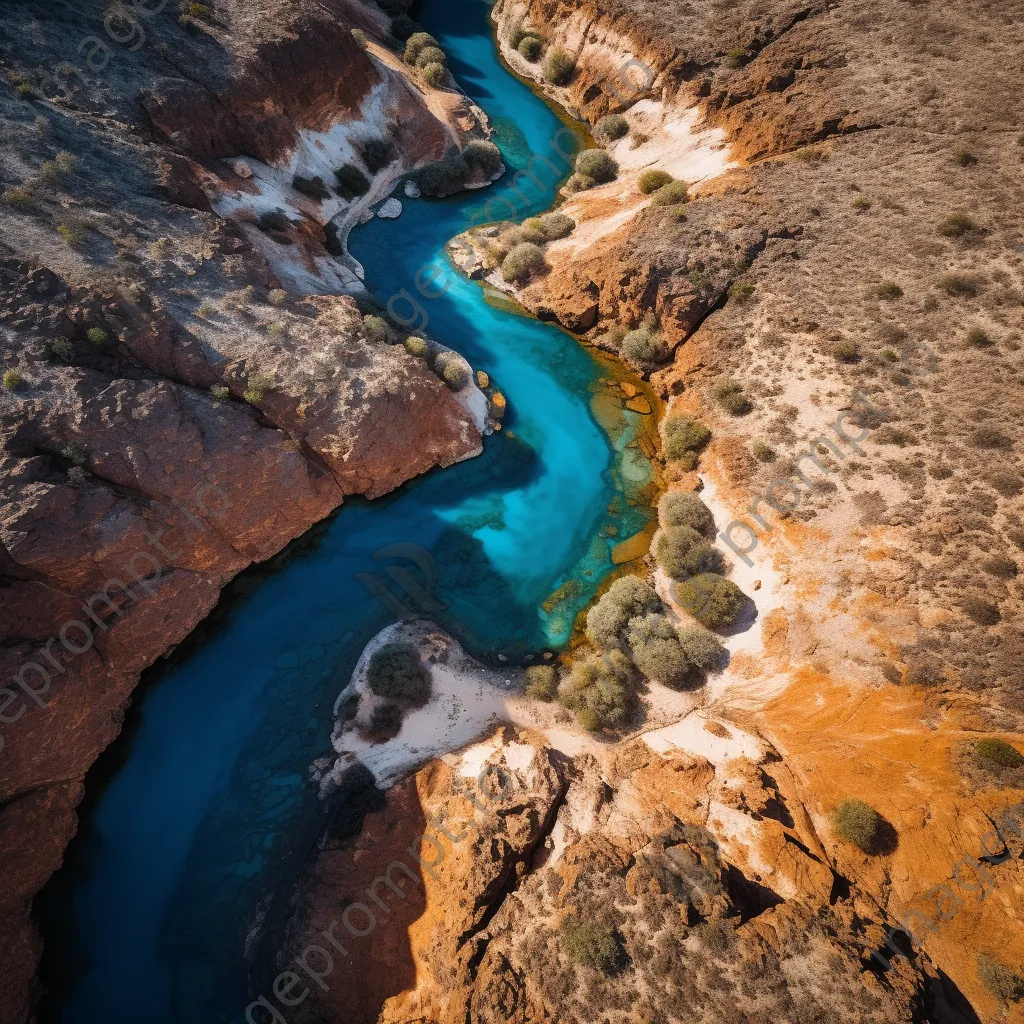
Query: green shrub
<point x="958" y="224"/>
<point x="596" y="164"/>
<point x="417" y="43"/>
<point x="277" y="296"/>
<point x="627" y="598"/>
<point x="701" y="648"/>
<point x="959" y="285"/>
<point x="889" y="290"/>
<point x="644" y="348"/>
<point x="651" y="180"/>
<point x="730" y="397"/>
<point x="453" y="370"/>
<point x="418" y="347"/>
<point x="377" y="154"/>
<point x="557" y="225"/>
<point x="76" y="453"/>
<point x="351" y="182"/>
<point x="530" y="47"/>
<point x="483" y="154"/>
<point x="736" y="58"/>
<point x="845" y="351"/>
<point x="524" y="260"/>
<point x="72" y="233"/>
<point x="532" y="230"/>
<point x="592" y="945"/>
<point x="97" y="336"/>
<point x="436" y="75"/>
<point x="763" y="452"/>
<point x="685" y="439"/>
<point x="599" y="690"/>
<point x="207" y="308"/>
<point x="977" y="338"/>
<point x="444" y="177"/>
<point x="861" y="203"/>
<point x="542" y="682"/>
<point x="431" y="55"/>
<point x="612" y="127"/>
<point x="964" y="158"/>
<point x="256" y="390"/>
<point x="12" y="379"/>
<point x="684" y="508"/>
<point x="404" y="28"/>
<point x="375" y="328"/>
<point x="991" y="751"/>
<point x="671" y="194"/>
<point x="397" y="672"/>
<point x="712" y="600"/>
<point x="386" y="721"/>
<point x="219" y="392"/>
<point x="740" y="291"/>
<point x="312" y="187"/>
<point x="682" y="552"/>
<point x="657" y="652"/>
<point x="1005" y="984"/>
<point x="360" y="37"/>
<point x="856" y="822"/>
<point x="18" y="196"/>
<point x="61" y="348"/>
<point x="559" y="66"/>
<point x="579" y="183"/>
<point x="201" y="11"/>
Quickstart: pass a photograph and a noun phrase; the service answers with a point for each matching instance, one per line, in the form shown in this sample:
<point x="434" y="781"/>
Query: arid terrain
<point x="834" y="308"/>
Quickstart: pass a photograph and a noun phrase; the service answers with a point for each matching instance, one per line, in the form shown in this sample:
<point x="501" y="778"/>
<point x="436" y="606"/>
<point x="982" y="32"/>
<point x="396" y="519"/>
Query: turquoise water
<point x="203" y="806"/>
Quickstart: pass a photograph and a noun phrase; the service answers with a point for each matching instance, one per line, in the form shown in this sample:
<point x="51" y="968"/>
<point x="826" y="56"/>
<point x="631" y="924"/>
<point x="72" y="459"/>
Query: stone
<point x="412" y="190"/>
<point x="390" y="209"/>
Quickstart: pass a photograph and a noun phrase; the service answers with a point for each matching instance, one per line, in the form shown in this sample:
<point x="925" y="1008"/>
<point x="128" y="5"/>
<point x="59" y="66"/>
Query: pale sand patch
<point x="691" y="736"/>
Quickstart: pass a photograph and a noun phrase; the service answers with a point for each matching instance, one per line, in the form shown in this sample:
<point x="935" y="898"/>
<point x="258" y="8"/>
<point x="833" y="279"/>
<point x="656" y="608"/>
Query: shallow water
<point x="204" y="806"/>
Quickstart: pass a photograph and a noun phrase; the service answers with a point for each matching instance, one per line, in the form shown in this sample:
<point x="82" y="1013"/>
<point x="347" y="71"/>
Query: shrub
<point x="627" y="598"/>
<point x="375" y="328"/>
<point x="579" y="183"/>
<point x="685" y="438"/>
<point x="612" y="127"/>
<point x="418" y="347"/>
<point x="977" y="338"/>
<point x="845" y="351"/>
<point x="730" y="397"/>
<point x="377" y="154"/>
<point x="740" y="291"/>
<point x="97" y="336"/>
<point x="657" y="652"/>
<point x="559" y="66"/>
<point x="671" y="194"/>
<point x="991" y="751"/>
<point x="312" y="187"/>
<point x="557" y="225"/>
<point x="431" y="55"/>
<point x="861" y="203"/>
<point x="964" y="158"/>
<point x="682" y="552"/>
<point x="958" y="224"/>
<point x="453" y="370"/>
<point x="207" y="308"/>
<point x="12" y="379"/>
<point x="404" y="28"/>
<point x="651" y="180"/>
<point x="25" y="91"/>
<point x="530" y="47"/>
<point x="196" y="10"/>
<point x="701" y="648"/>
<point x="351" y="182"/>
<point x="277" y="296"/>
<point x="417" y="43"/>
<point x="273" y="220"/>
<point x="397" y="672"/>
<point x="436" y="75"/>
<point x="959" y="285"/>
<point x="531" y="230"/>
<point x="76" y="453"/>
<point x="542" y="682"/>
<point x="360" y="36"/>
<point x="592" y="945"/>
<point x="483" y="154"/>
<point x="521" y="262"/>
<point x="256" y="391"/>
<point x="889" y="290"/>
<point x="684" y="508"/>
<point x="763" y="452"/>
<point x="218" y="392"/>
<point x="444" y="177"/>
<point x="386" y="720"/>
<point x="856" y="822"/>
<point x="18" y="195"/>
<point x="712" y="600"/>
<point x="73" y="234"/>
<point x="598" y="690"/>
<point x="61" y="348"/>
<point x="644" y="348"/>
<point x="736" y="58"/>
<point x="596" y="164"/>
<point x="1002" y="982"/>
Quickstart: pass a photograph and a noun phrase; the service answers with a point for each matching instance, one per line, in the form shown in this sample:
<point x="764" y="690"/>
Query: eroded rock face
<point x="526" y="846"/>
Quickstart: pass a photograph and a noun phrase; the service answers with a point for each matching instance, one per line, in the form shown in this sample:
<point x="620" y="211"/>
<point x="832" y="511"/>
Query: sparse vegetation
<point x="684" y="508"/>
<point x="522" y="262"/>
<point x="207" y="308"/>
<point x="416" y="346"/>
<point x="277" y="296"/>
<point x="375" y="328"/>
<point x="977" y="338"/>
<point x="854" y="821"/>
<point x="740" y="291"/>
<point x="645" y="348"/>
<point x="436" y="75"/>
<point x="72" y="233"/>
<point x="61" y="348"/>
<point x="12" y="379"/>
<point x="844" y="351"/>
<point x="542" y="682"/>
<point x="673" y="193"/>
<point x="351" y="182"/>
<point x="964" y="158"/>
<point x="612" y="127"/>
<point x="1005" y="984"/>
<point x="199" y="11"/>
<point x="597" y="165"/>
<point x="959" y="285"/>
<point x="579" y="183"/>
<point x="360" y="37"/>
<point x="861" y="203"/>
<point x="97" y="336"/>
<point x="685" y="439"/>
<point x="651" y="180"/>
<point x="712" y="600"/>
<point x="730" y="397"/>
<point x="995" y="752"/>
<point x="219" y="392"/>
<point x="958" y="224"/>
<point x="397" y="672"/>
<point x="735" y="59"/>
<point x="256" y="390"/>
<point x="592" y="945"/>
<point x="763" y="452"/>
<point x="559" y="66"/>
<point x="76" y="453"/>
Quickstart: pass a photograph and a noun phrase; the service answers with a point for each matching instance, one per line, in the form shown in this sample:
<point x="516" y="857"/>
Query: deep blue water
<point x="205" y="804"/>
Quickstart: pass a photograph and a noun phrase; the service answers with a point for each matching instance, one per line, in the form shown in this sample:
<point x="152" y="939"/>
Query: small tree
<point x="657" y="652"/>
<point x="685" y="438"/>
<point x="856" y="822"/>
<point x="684" y="508"/>
<point x="559" y="66"/>
<point x="523" y="261"/>
<point x="596" y="164"/>
<point x="650" y="181"/>
<point x="712" y="600"/>
<point x="599" y="690"/>
<point x="612" y="127"/>
<point x="682" y="552"/>
<point x="627" y="598"/>
<point x="453" y="370"/>
<point x="444" y="177"/>
<point x="397" y="672"/>
<point x="542" y="682"/>
<point x="557" y="225"/>
<point x="701" y="648"/>
<point x="312" y="187"/>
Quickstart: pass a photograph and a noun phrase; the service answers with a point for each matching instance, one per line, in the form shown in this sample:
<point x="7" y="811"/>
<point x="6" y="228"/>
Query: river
<point x="204" y="805"/>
